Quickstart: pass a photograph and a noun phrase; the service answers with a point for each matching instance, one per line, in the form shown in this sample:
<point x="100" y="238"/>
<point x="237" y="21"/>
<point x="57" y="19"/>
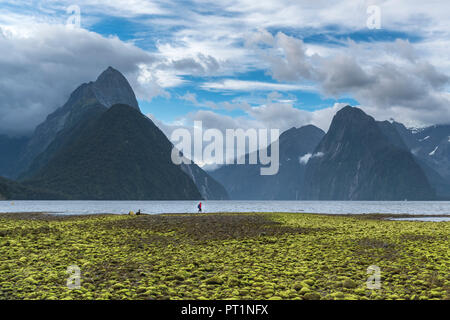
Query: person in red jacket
<point x="199" y="207"/>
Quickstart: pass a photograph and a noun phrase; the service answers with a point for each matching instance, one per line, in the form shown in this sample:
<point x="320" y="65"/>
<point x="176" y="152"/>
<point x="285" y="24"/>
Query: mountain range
<point x="244" y="182"/>
<point x="99" y="146"/>
<point x="362" y="159"/>
<point x="357" y="159"/>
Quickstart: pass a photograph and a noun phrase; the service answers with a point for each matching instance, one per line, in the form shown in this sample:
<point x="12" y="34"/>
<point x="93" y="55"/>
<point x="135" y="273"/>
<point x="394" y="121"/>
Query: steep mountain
<point x="85" y="106"/>
<point x="244" y="182"/>
<point x="406" y="134"/>
<point x="208" y="187"/>
<point x="359" y="160"/>
<point x="10" y="151"/>
<point x="120" y="155"/>
<point x="391" y="133"/>
<point x="431" y="147"/>
<point x="11" y="190"/>
<point x="110" y="88"/>
<point x="439" y="184"/>
<point x="64" y="137"/>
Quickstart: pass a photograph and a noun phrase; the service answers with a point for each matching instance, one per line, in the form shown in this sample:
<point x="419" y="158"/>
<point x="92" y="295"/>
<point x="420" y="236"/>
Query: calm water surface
<point x="155" y="207"/>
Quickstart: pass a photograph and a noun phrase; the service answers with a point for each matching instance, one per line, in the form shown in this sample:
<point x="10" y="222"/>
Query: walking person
<point x="199" y="207"/>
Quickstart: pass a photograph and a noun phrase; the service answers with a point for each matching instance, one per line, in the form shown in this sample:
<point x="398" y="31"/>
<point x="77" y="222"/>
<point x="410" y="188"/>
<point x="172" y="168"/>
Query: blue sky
<point x="267" y="63"/>
<point x="146" y="35"/>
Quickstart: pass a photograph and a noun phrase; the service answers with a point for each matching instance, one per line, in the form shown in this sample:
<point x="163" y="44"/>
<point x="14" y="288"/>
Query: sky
<point x="231" y="64"/>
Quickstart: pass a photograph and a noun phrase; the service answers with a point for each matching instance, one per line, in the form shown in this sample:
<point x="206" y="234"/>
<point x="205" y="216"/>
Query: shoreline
<point x="163" y="207"/>
<point x="371" y="216"/>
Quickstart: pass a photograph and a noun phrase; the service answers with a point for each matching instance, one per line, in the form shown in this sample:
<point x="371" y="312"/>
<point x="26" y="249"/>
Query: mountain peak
<point x="308" y="129"/>
<point x="364" y="160"/>
<point x="351" y="116"/>
<point x="347" y="110"/>
<point x="111" y="87"/>
<point x="109" y="73"/>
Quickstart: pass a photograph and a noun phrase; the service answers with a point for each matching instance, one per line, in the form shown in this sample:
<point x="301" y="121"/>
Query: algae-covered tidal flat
<point x="222" y="256"/>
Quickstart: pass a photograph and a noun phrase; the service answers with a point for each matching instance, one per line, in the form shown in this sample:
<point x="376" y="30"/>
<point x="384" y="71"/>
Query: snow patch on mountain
<point x="434" y="151"/>
<point x="304" y="160"/>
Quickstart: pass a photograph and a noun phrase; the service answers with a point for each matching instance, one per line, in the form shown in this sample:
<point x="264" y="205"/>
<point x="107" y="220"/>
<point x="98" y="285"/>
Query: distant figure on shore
<point x="199" y="207"/>
<point x="139" y="212"/>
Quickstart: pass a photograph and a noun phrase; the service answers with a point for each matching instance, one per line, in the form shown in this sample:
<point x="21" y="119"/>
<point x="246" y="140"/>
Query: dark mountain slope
<point x="11" y="190"/>
<point x="391" y="133"/>
<point x="431" y="148"/>
<point x="245" y="182"/>
<point x="432" y="145"/>
<point x="111" y="87"/>
<point x="10" y="150"/>
<point x="64" y="137"/>
<point x="357" y="161"/>
<point x="120" y="156"/>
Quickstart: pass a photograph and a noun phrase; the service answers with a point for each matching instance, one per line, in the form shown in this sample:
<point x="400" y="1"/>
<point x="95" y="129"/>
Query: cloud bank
<point x="193" y="50"/>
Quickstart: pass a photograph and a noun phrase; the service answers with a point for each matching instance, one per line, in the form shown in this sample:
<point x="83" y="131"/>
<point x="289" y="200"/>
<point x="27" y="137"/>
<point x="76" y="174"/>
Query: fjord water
<point x="155" y="207"/>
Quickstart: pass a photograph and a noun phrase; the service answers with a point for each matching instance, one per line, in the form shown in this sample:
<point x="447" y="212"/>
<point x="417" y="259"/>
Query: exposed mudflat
<point x="220" y="256"/>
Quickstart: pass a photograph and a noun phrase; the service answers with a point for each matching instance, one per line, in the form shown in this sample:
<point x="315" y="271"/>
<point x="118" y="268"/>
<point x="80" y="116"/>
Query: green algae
<point x="223" y="256"/>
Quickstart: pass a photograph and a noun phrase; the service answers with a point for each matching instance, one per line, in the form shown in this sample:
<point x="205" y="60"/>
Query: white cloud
<point x="401" y="80"/>
<point x="191" y="97"/>
<point x="244" y="85"/>
<point x="304" y="159"/>
<point x="44" y="66"/>
<point x="270" y="115"/>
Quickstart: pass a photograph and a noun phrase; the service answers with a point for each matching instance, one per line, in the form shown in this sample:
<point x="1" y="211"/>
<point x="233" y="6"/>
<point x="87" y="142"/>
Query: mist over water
<point x="157" y="207"/>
